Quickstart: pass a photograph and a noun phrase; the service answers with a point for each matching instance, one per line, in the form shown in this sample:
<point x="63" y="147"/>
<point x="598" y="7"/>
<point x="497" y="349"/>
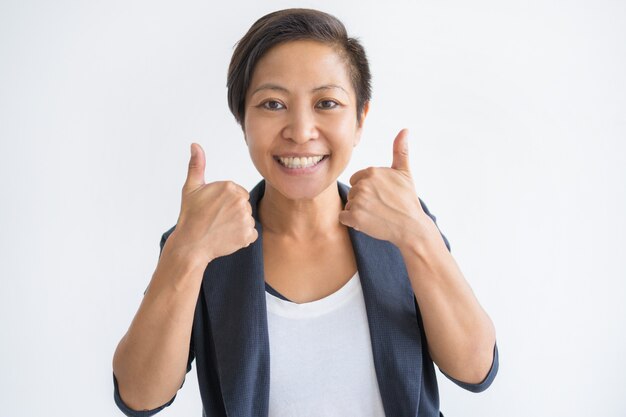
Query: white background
<point x="517" y="118"/>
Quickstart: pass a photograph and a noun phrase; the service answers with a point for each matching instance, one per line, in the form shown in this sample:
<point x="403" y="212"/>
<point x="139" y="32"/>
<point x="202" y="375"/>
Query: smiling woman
<point x="351" y="291"/>
<point x="312" y="115"/>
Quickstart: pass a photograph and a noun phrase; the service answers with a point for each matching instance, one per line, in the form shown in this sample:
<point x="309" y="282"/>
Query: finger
<point x="236" y="188"/>
<point x="255" y="236"/>
<point x="243" y="191"/>
<point x="358" y="176"/>
<point x="195" y="171"/>
<point x="346" y="218"/>
<point x="351" y="193"/>
<point x="401" y="151"/>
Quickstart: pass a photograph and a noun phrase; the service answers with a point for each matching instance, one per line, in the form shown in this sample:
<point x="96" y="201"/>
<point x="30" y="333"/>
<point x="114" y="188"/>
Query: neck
<point x="302" y="219"/>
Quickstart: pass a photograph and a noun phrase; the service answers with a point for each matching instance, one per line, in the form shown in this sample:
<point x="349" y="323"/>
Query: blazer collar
<point x="234" y="288"/>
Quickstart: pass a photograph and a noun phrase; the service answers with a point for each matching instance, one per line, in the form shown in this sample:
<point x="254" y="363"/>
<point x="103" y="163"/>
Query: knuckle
<point x="356" y="204"/>
<point x="240" y="202"/>
<point x="240" y="218"/>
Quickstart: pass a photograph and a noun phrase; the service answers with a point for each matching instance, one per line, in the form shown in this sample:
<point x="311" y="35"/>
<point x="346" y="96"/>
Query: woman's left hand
<point x="382" y="202"/>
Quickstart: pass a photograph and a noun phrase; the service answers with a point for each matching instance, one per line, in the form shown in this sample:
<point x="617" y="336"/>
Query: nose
<point x="301" y="125"/>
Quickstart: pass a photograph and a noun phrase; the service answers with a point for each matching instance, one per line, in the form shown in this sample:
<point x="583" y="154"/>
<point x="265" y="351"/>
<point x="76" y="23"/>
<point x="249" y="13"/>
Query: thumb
<point x="401" y="151"/>
<point x="197" y="163"/>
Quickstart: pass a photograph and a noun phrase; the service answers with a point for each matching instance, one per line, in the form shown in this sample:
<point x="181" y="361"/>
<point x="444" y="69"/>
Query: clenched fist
<point x="383" y="203"/>
<point x="215" y="218"/>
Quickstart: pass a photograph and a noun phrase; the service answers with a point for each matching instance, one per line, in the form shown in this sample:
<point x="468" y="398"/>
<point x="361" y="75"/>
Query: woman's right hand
<point x="215" y="218"/>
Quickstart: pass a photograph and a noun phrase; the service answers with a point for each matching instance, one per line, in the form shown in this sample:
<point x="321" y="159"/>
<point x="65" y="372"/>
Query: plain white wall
<point x="517" y="112"/>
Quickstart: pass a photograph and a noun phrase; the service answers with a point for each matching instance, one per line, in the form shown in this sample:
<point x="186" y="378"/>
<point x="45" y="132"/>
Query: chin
<point x="300" y="190"/>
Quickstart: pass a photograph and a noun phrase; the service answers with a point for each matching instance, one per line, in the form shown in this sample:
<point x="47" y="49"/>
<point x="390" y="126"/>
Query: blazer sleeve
<point x="484" y="384"/>
<point x="432" y="216"/>
<point x="116" y="392"/>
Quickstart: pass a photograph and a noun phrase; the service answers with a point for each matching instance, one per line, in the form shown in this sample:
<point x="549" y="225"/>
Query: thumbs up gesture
<point x="215" y="218"/>
<point x="382" y="201"/>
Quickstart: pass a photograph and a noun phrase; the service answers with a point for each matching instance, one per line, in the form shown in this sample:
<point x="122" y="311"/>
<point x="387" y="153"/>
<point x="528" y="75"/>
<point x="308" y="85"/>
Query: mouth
<point x="300" y="162"/>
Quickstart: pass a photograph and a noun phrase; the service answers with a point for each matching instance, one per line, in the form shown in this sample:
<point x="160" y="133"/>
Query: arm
<point x="460" y="334"/>
<point x="384" y="204"/>
<point x="151" y="360"/>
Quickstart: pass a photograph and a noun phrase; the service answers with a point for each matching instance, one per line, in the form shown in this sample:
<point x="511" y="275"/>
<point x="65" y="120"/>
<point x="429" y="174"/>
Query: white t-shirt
<point x="321" y="361"/>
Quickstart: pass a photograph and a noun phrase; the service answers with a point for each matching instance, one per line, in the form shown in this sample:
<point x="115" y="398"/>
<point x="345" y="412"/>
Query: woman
<point x="351" y="291"/>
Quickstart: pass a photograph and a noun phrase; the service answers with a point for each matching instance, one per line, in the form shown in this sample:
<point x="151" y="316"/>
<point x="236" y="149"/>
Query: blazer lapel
<point x="394" y="330"/>
<point x="234" y="288"/>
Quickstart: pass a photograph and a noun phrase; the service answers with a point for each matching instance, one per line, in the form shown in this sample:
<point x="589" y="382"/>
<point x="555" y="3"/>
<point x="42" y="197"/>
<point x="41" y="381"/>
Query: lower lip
<point x="302" y="171"/>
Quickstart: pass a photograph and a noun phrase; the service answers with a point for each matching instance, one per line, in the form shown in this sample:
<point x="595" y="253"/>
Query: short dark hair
<point x="289" y="25"/>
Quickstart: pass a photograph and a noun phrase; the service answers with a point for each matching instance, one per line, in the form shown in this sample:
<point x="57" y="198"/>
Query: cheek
<point x="260" y="134"/>
<point x="344" y="132"/>
<point x="347" y="123"/>
<point x="257" y="132"/>
<point x="257" y="156"/>
<point x="256" y="148"/>
<point x="259" y="145"/>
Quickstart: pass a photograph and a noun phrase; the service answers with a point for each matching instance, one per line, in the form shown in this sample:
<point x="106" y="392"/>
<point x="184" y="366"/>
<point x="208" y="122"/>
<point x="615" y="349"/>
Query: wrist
<point x="419" y="238"/>
<point x="190" y="254"/>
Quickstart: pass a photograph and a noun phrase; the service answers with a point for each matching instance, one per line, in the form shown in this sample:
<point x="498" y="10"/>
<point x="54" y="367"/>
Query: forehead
<point x="302" y="64"/>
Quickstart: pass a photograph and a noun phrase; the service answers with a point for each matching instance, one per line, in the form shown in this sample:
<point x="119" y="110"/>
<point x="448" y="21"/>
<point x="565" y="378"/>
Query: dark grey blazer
<point x="230" y="332"/>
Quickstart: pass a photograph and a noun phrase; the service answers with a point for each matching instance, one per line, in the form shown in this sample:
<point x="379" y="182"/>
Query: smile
<point x="300" y="162"/>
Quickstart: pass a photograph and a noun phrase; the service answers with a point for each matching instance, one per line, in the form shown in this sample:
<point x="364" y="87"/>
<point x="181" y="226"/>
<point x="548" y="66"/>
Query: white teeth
<point x="291" y="162"/>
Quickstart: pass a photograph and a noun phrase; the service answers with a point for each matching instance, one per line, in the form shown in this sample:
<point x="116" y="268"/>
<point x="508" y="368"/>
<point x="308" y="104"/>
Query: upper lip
<point x="299" y="155"/>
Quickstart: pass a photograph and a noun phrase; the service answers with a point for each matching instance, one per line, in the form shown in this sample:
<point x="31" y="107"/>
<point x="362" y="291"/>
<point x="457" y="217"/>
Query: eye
<point x="271" y="105"/>
<point x="328" y="104"/>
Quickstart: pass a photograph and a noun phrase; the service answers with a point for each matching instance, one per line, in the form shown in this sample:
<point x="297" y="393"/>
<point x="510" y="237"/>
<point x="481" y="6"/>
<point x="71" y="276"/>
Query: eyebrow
<point x="276" y="87"/>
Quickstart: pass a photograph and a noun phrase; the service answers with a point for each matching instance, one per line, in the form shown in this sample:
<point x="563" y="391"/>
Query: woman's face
<point x="301" y="104"/>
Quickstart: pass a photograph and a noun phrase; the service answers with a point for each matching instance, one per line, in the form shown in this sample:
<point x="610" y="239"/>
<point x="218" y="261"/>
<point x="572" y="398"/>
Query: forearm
<point x="150" y="360"/>
<point x="460" y="334"/>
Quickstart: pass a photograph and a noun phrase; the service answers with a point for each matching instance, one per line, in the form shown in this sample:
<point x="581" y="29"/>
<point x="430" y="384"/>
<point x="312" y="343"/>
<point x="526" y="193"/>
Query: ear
<point x="359" y="128"/>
